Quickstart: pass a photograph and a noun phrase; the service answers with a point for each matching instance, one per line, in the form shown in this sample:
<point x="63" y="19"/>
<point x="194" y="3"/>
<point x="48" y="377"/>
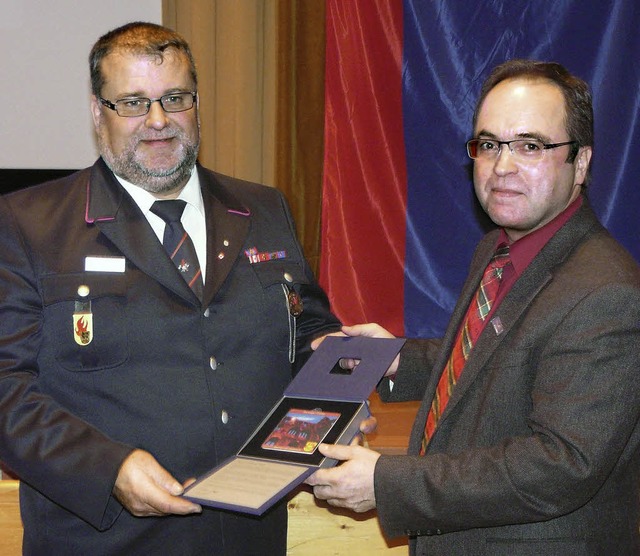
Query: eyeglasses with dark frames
<point x="139" y="106"/>
<point x="524" y="149"/>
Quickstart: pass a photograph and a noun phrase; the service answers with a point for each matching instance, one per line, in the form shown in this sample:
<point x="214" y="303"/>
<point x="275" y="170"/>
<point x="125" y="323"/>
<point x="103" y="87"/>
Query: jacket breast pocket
<point x="282" y="283"/>
<point x="85" y="324"/>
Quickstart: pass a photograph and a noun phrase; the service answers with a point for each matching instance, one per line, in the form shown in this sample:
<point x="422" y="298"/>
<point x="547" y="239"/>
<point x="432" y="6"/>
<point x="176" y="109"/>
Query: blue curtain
<point x="449" y="47"/>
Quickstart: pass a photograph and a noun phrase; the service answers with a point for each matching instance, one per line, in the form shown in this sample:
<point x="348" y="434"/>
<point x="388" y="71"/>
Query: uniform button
<point x="207" y="312"/>
<point x="213" y="363"/>
<point x="288" y="277"/>
<point x="83" y="291"/>
<point x="224" y="416"/>
<point x="221" y="255"/>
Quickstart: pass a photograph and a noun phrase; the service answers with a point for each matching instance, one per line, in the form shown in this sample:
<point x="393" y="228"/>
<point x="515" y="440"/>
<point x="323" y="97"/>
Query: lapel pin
<point x="497" y="325"/>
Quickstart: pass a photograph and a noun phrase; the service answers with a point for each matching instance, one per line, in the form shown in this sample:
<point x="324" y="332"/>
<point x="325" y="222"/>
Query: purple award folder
<point x="323" y="403"/>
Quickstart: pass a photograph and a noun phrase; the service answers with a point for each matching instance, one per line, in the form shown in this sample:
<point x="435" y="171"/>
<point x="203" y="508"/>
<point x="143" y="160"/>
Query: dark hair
<point x="140" y="38"/>
<point x="577" y="97"/>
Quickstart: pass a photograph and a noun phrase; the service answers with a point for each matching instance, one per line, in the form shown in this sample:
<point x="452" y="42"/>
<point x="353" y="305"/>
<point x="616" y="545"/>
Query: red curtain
<point x="364" y="197"/>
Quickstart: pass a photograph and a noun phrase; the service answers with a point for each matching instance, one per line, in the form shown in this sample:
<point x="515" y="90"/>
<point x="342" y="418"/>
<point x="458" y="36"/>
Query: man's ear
<point x="96" y="111"/>
<point x="582" y="161"/>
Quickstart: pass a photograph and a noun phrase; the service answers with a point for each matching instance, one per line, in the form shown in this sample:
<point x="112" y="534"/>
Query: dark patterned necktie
<point x="474" y="323"/>
<point x="178" y="244"/>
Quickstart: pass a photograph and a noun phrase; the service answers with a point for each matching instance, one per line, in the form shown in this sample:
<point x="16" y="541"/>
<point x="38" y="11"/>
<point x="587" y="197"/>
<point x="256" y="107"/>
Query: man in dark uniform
<point x="124" y="373"/>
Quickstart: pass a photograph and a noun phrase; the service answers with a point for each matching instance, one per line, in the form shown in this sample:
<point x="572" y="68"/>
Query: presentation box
<point x="324" y="403"/>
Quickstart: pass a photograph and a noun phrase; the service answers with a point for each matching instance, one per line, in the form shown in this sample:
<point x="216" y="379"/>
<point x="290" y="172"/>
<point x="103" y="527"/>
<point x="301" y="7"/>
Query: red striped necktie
<point x="178" y="244"/>
<point x="473" y="324"/>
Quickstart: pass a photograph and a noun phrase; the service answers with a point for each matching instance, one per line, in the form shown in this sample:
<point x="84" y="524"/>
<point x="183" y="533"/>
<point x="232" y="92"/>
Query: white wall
<point x="44" y="76"/>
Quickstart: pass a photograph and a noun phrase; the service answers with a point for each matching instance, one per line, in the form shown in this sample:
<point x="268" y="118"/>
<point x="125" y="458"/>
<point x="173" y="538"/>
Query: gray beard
<point x="154" y="181"/>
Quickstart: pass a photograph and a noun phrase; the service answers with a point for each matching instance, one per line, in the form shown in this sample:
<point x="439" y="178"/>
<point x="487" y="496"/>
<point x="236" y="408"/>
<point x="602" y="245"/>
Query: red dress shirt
<point x="524" y="250"/>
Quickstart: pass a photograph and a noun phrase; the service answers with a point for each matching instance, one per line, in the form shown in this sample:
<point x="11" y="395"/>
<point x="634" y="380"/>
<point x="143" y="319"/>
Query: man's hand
<point x="373" y="330"/>
<point x="350" y="484"/>
<point x="145" y="488"/>
<point x="315" y="344"/>
<point x="370" y="330"/>
<point x="367" y="426"/>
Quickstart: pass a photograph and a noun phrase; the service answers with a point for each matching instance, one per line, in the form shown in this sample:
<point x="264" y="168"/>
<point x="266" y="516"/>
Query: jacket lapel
<point x="117" y="216"/>
<point x="228" y="223"/>
<point x="537" y="275"/>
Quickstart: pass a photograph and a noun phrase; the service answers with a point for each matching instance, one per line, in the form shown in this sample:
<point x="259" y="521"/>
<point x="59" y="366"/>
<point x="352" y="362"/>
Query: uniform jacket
<point x="184" y="379"/>
<point x="537" y="450"/>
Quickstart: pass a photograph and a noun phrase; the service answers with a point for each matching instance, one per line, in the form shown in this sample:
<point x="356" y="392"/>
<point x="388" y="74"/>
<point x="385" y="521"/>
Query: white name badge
<point x="104" y="264"/>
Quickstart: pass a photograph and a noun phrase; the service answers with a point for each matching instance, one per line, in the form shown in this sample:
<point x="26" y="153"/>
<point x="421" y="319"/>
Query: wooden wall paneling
<point x="300" y="116"/>
<point x="234" y="47"/>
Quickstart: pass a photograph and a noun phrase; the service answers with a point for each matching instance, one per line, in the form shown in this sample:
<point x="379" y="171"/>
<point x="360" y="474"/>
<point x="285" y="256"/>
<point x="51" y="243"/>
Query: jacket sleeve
<point x="578" y="431"/>
<point x="417" y="358"/>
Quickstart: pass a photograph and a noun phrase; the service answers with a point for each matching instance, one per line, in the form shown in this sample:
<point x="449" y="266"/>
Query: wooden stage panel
<point x="10" y="523"/>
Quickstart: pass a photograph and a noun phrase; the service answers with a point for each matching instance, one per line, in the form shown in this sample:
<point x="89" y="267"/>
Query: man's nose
<point x="156" y="117"/>
<point x="505" y="161"/>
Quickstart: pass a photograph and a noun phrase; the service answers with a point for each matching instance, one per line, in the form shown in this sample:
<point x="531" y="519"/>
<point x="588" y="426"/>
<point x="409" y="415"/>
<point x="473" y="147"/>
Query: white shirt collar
<point x="190" y="193"/>
<point x="193" y="217"/>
